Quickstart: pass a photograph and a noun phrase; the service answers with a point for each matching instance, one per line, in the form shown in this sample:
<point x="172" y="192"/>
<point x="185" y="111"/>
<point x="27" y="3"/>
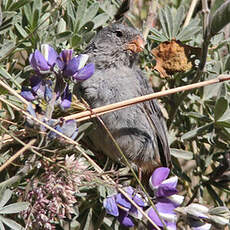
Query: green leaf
<point x="182" y="154"/>
<point x="157" y="36"/>
<point x="220" y="108"/>
<point x="227" y="63"/>
<point x="7" y="76"/>
<point x="35" y="20"/>
<point x="2" y="226"/>
<point x="220" y="18"/>
<point x="22" y="32"/>
<point x="14" y="208"/>
<point x="18" y="4"/>
<point x="11" y="223"/>
<point x="100" y="20"/>
<point x="197" y="131"/>
<point x="89" y="15"/>
<point x="163" y="23"/>
<point x="5" y="197"/>
<point x="61" y="27"/>
<point x="76" y="40"/>
<point x="28" y="13"/>
<point x="87" y="27"/>
<point x="81" y="10"/>
<point x="63" y="36"/>
<point x="214" y="195"/>
<point x="178" y="20"/>
<point x="7" y="46"/>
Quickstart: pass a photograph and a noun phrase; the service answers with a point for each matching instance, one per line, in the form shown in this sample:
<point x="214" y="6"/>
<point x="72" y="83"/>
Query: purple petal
<point x="28" y="95"/>
<point x="50" y="54"/>
<point x="135" y="213"/>
<point x="38" y="62"/>
<point x="66" y="99"/>
<point x="172" y="181"/>
<point x="165" y="205"/>
<point x="154" y="217"/>
<point x="158" y="176"/>
<point x="66" y="55"/>
<point x="122" y="201"/>
<point x="85" y="73"/>
<point x="48" y="93"/>
<point x="129" y="190"/>
<point x="139" y="201"/>
<point x="171" y="226"/>
<point x="35" y="82"/>
<point x="110" y="206"/>
<point x="165" y="190"/>
<point x="69" y="127"/>
<point x="31" y="110"/>
<point x="60" y="63"/>
<point x="124" y="219"/>
<point x="71" y="67"/>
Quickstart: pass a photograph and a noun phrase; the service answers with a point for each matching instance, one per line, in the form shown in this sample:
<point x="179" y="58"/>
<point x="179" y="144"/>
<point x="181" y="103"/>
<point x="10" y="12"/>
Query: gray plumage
<point x="139" y="130"/>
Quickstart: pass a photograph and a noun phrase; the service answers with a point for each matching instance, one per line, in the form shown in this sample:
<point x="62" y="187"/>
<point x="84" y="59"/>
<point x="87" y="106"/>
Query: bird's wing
<point x="157" y="121"/>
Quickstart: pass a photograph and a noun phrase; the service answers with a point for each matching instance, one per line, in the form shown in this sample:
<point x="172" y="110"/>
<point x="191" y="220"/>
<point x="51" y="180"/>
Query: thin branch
<point x="12" y="91"/>
<point x="150" y="18"/>
<point x="206" y="38"/>
<point x="17" y="154"/>
<point x="120" y="105"/>
<point x="190" y="12"/>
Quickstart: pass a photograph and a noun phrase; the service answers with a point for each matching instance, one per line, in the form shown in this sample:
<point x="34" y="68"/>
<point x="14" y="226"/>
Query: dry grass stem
<point x="17" y="154"/>
<point x="120" y="105"/>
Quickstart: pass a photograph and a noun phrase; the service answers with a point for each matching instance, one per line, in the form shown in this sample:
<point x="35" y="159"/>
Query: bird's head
<point x="116" y="44"/>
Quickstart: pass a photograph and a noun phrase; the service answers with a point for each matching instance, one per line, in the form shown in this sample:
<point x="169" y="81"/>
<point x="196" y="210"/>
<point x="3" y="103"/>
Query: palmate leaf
<point x="14" y="208"/>
<point x="220" y="18"/>
<point x="172" y="26"/>
<point x="10" y="223"/>
<point x="5" y="196"/>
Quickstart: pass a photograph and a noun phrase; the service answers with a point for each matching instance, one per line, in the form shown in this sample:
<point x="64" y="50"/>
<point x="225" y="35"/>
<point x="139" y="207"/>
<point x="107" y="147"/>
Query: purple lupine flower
<point x="119" y="206"/>
<point x="165" y="208"/>
<point x="161" y="186"/>
<point x="40" y="88"/>
<point x="75" y="66"/>
<point x="45" y="60"/>
<point x="166" y="198"/>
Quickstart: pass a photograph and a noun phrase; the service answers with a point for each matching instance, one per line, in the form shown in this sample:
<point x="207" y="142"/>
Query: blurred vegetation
<point x="198" y="120"/>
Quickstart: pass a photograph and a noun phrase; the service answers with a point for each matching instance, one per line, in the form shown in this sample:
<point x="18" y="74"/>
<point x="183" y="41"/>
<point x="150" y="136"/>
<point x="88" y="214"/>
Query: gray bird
<point x="139" y="130"/>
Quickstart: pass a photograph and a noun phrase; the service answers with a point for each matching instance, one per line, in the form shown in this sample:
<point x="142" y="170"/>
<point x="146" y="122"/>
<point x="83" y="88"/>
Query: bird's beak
<point x="136" y="45"/>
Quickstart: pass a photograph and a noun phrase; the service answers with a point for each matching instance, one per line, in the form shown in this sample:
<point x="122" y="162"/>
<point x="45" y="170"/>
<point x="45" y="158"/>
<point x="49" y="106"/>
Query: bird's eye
<point x="119" y="33"/>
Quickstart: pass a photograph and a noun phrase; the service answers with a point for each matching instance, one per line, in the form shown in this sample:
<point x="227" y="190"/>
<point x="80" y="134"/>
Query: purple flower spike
<point x="111" y="206"/>
<point x="85" y="73"/>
